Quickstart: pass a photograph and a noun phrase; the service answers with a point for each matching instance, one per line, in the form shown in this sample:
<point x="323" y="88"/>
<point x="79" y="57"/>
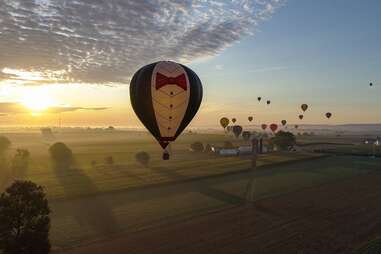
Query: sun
<point x="37" y="100"/>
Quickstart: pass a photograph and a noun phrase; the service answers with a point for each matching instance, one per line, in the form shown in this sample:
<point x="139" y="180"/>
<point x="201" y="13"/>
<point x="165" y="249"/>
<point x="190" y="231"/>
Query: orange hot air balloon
<point x="304" y="107"/>
<point x="301" y="117"/>
<point x="224" y="122"/>
<point x="328" y="115"/>
<point x="284" y="122"/>
<point x="273" y="127"/>
<point x="264" y="126"/>
<point x="250" y="118"/>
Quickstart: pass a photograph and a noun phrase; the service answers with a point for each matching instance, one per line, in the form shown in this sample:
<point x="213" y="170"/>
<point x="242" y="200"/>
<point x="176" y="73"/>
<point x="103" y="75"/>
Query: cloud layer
<point x="11" y="108"/>
<point x="97" y="41"/>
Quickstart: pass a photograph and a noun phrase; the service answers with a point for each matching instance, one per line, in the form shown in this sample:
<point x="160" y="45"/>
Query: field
<point x="86" y="179"/>
<point x="92" y="205"/>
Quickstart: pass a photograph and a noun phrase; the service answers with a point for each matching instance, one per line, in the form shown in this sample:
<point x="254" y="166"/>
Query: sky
<point x="73" y="60"/>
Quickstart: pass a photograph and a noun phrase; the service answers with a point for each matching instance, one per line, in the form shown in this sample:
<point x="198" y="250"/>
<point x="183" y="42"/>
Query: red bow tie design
<point x="162" y="80"/>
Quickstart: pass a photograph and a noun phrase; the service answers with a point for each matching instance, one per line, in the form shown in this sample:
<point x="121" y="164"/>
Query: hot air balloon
<point x="237" y="129"/>
<point x="224" y="122"/>
<point x="301" y="117"/>
<point x="264" y="126"/>
<point x="304" y="107"/>
<point x="234" y="120"/>
<point x="284" y="122"/>
<point x="250" y="118"/>
<point x="259" y="98"/>
<point x="273" y="127"/>
<point x="165" y="96"/>
<point x="328" y="115"/>
<point x="370" y="84"/>
<point x="268" y="102"/>
<point x="296" y="126"/>
<point x="246" y="135"/>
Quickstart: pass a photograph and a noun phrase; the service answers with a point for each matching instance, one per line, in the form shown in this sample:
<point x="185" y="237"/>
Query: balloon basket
<point x="165" y="156"/>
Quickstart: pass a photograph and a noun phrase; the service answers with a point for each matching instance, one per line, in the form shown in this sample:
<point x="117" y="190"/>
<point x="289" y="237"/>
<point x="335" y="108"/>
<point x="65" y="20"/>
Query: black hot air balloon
<point x="224" y="122"/>
<point x="234" y="120"/>
<point x="370" y="84"/>
<point x="268" y="102"/>
<point x="250" y="118"/>
<point x="328" y="115"/>
<point x="259" y="98"/>
<point x="301" y="117"/>
<point x="165" y="96"/>
<point x="304" y="107"/>
<point x="284" y="122"/>
<point x="237" y="129"/>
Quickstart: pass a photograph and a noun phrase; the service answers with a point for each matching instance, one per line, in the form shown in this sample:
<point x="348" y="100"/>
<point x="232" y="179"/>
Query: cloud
<point x="9" y="108"/>
<point x="97" y="41"/>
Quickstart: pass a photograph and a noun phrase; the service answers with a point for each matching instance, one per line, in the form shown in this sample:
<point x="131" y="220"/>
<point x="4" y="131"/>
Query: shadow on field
<point x="93" y="212"/>
<point x="202" y="187"/>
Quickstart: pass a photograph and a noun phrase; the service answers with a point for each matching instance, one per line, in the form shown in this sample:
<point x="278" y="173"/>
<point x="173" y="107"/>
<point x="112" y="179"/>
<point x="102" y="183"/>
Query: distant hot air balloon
<point x="224" y="122"/>
<point x="237" y="129"/>
<point x="273" y="127"/>
<point x="259" y="98"/>
<point x="284" y="122"/>
<point x="264" y="126"/>
<point x="268" y="102"/>
<point x="328" y="115"/>
<point x="296" y="126"/>
<point x="304" y="107"/>
<point x="234" y="120"/>
<point x="301" y="117"/>
<point x="250" y="118"/>
<point x="165" y="96"/>
<point x="370" y="84"/>
<point x="246" y="135"/>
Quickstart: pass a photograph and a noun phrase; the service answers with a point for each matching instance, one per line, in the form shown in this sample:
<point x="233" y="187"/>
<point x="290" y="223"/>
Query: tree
<point x="143" y="158"/>
<point x="197" y="147"/>
<point x="283" y="140"/>
<point x="24" y="219"/>
<point x="61" y="155"/>
<point x="5" y="143"/>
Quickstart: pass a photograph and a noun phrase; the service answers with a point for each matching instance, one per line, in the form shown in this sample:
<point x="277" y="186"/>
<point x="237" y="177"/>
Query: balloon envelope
<point x="264" y="126"/>
<point x="224" y="122"/>
<point x="273" y="127"/>
<point x="237" y="129"/>
<point x="259" y="98"/>
<point x="301" y="117"/>
<point x="268" y="102"/>
<point x="250" y="118"/>
<point x="165" y="96"/>
<point x="234" y="120"/>
<point x="296" y="126"/>
<point x="284" y="122"/>
<point x="304" y="107"/>
<point x="328" y="115"/>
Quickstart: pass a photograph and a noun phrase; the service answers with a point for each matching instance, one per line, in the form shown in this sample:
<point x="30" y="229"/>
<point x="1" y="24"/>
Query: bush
<point x="109" y="160"/>
<point x="228" y="145"/>
<point x="5" y="143"/>
<point x="24" y="219"/>
<point x="197" y="147"/>
<point x="284" y="140"/>
<point x="61" y="155"/>
<point x="143" y="158"/>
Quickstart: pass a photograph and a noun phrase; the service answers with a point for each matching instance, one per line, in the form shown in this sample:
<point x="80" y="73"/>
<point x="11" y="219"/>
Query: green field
<point x="85" y="179"/>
